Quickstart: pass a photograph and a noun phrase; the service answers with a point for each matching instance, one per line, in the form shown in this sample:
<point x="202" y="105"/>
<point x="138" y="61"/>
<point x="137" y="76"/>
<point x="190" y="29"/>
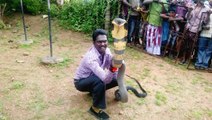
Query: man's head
<point x="100" y="40"/>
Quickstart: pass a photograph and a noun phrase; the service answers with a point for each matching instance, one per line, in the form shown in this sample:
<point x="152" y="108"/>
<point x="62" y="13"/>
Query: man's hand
<point x="171" y="19"/>
<point x="113" y="69"/>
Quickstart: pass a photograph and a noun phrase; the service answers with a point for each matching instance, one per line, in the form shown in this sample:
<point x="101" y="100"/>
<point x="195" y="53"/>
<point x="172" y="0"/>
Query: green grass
<point x="25" y="46"/>
<point x="77" y="113"/>
<point x="160" y="65"/>
<point x="66" y="62"/>
<point x="145" y="73"/>
<point x="208" y="89"/>
<point x="197" y="115"/>
<point x="58" y="102"/>
<point x="196" y="80"/>
<point x="209" y="113"/>
<point x="16" y="85"/>
<point x="134" y="54"/>
<point x="2" y="116"/>
<point x="141" y="101"/>
<point x="200" y="114"/>
<point x="160" y="99"/>
<point x="173" y="87"/>
<point x="130" y="82"/>
<point x="19" y="24"/>
<point x="38" y="105"/>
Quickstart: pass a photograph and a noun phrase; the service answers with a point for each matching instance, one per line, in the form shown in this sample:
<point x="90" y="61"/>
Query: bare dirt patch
<point x="31" y="90"/>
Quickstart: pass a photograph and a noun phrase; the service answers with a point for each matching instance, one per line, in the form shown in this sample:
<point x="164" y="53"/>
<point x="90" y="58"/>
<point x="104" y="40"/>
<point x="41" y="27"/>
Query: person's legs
<point x="97" y="88"/>
<point x="187" y="47"/>
<point x="201" y="51"/>
<point x="165" y="34"/>
<point x="131" y="26"/>
<point x="208" y="53"/>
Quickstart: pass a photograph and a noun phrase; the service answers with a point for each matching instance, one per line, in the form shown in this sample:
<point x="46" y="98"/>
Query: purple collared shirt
<point x="93" y="63"/>
<point x="181" y="11"/>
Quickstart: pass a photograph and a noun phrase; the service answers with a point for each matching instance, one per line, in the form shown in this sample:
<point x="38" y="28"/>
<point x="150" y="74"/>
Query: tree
<point x="107" y="15"/>
<point x="2" y="10"/>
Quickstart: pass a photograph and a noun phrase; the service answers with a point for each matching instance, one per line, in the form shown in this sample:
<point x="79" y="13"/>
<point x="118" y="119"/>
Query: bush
<point x="33" y="6"/>
<point x="84" y="16"/>
<point x="55" y="10"/>
<point x="30" y="6"/>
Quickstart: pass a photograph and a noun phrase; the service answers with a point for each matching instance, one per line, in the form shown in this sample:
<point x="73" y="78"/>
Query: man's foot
<point x="197" y="67"/>
<point x="203" y="68"/>
<point x="182" y="62"/>
<point x="130" y="45"/>
<point x="99" y="114"/>
<point x="210" y="70"/>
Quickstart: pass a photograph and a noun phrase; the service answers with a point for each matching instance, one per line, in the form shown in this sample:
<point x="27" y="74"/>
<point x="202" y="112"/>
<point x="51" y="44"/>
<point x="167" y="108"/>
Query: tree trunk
<point x="2" y="9"/>
<point x="107" y="16"/>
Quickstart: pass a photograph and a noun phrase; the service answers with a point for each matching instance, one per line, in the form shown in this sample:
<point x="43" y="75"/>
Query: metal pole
<point x="50" y="32"/>
<point x="23" y="20"/>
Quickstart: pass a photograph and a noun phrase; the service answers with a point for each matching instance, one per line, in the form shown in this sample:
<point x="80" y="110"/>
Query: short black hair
<point x="98" y="32"/>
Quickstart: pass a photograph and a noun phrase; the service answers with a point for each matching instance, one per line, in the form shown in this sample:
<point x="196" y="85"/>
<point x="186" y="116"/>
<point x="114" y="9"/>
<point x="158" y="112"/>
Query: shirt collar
<point x="97" y="52"/>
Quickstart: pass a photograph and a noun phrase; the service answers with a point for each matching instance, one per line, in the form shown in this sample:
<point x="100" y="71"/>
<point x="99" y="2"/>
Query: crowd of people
<point x="162" y="28"/>
<point x="180" y="29"/>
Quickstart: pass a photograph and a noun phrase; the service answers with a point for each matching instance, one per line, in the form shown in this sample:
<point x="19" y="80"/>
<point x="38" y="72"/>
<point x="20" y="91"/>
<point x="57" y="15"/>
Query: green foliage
<point x="17" y="85"/>
<point x="83" y="16"/>
<point x="2" y="25"/>
<point x="160" y="98"/>
<point x="33" y="6"/>
<point x="30" y="6"/>
<point x="55" y="10"/>
<point x="141" y="101"/>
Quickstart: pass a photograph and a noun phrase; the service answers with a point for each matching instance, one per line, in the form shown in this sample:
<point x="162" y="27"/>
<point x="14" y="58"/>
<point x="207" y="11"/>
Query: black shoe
<point x="182" y="62"/>
<point x="202" y="68"/>
<point x="101" y="115"/>
<point x="210" y="70"/>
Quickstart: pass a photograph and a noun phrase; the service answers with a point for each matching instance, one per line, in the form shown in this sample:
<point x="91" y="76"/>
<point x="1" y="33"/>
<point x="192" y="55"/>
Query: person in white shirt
<point x="204" y="52"/>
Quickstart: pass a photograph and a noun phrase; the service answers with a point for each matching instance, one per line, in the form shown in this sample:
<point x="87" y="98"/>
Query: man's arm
<point x="105" y="75"/>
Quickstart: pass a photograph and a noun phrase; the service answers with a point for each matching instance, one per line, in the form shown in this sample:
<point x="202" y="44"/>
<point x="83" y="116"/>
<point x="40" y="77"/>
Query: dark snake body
<point x="130" y="88"/>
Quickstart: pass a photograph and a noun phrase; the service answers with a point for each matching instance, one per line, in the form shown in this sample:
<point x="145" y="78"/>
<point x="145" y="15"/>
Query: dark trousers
<point x="133" y="27"/>
<point x="189" y="40"/>
<point x="96" y="87"/>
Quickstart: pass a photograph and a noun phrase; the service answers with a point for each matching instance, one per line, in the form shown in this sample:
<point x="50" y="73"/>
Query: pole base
<point x="51" y="60"/>
<point x="26" y="42"/>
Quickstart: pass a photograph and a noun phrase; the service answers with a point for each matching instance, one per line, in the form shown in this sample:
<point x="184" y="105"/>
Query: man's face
<point x="172" y="14"/>
<point x="101" y="43"/>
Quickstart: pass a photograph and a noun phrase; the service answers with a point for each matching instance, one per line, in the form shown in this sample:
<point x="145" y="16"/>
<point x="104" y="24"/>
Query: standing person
<point x="154" y="30"/>
<point x="96" y="74"/>
<point x="204" y="52"/>
<point x="123" y="10"/>
<point x="166" y="24"/>
<point x="142" y="26"/>
<point x="134" y="17"/>
<point x="195" y="18"/>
